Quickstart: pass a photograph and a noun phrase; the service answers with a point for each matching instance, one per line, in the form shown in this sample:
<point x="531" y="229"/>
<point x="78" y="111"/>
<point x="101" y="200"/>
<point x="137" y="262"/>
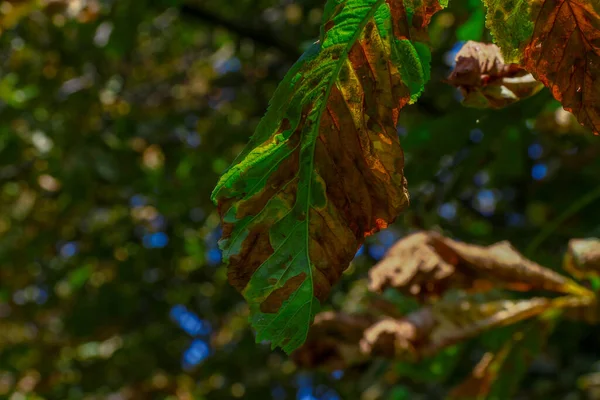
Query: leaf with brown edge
<point x="430" y="329"/>
<point x="426" y="265"/>
<point x="498" y="373"/>
<point x="558" y="41"/>
<point x="486" y="81"/>
<point x="324" y="168"/>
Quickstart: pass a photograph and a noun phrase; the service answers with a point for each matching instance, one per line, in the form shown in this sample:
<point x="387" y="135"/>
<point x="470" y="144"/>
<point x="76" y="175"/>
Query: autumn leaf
<point x="460" y="285"/>
<point x="498" y="373"/>
<point x="486" y="81"/>
<point x="426" y="265"/>
<point x="558" y="42"/>
<point x="340" y="340"/>
<point x="324" y="168"/>
<point x="430" y="329"/>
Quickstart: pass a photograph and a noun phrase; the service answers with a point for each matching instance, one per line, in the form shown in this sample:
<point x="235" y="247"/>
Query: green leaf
<point x="511" y="25"/>
<point x="324" y="168"/>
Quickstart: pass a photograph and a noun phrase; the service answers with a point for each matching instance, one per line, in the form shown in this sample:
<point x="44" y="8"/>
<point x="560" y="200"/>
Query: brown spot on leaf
<point x="249" y="257"/>
<point x="272" y="303"/>
<point x="346" y="174"/>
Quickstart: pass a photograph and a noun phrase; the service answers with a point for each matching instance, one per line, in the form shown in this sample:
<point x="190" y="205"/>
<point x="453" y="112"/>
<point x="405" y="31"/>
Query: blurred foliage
<point x="116" y="118"/>
<point x="463" y="292"/>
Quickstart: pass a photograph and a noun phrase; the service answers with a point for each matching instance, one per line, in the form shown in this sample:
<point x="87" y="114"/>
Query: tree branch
<point x="263" y="37"/>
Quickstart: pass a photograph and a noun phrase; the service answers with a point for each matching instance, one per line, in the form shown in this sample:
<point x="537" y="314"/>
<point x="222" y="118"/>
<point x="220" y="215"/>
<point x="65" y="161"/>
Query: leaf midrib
<point x="334" y="78"/>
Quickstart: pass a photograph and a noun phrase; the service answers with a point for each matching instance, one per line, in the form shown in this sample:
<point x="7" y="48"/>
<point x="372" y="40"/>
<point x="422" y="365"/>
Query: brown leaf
<point x="414" y="267"/>
<point x="433" y="328"/>
<point x="339" y="340"/>
<point x="402" y="339"/>
<point x="486" y="81"/>
<point x="425" y="265"/>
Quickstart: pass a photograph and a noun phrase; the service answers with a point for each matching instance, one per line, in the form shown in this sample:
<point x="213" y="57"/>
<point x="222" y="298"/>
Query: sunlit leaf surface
<point x="324" y="168"/>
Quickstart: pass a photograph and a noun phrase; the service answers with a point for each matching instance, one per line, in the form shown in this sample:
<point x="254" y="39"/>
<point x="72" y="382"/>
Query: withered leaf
<point x="324" y="168"/>
<point x="339" y="340"/>
<point x="427" y="264"/>
<point x="430" y="329"/>
<point x="558" y="41"/>
<point x="486" y="81"/>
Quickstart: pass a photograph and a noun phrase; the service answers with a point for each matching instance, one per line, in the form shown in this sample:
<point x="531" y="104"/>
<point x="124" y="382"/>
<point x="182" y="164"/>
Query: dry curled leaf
<point x="426" y="264"/>
<point x="433" y="328"/>
<point x="486" y="81"/>
<point x="401" y="338"/>
<point x="444" y="272"/>
<point x="339" y="340"/>
<point x="413" y="266"/>
<point x="558" y="41"/>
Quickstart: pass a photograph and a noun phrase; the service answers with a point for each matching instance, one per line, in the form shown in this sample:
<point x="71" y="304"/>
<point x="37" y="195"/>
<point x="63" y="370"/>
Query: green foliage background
<point x="117" y="117"/>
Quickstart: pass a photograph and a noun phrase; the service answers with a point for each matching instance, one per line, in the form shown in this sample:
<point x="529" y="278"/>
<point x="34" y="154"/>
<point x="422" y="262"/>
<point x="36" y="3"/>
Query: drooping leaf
<point x="324" y="168"/>
<point x="486" y="81"/>
<point x="558" y="42"/>
<point x="498" y="373"/>
<point x="426" y="265"/>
